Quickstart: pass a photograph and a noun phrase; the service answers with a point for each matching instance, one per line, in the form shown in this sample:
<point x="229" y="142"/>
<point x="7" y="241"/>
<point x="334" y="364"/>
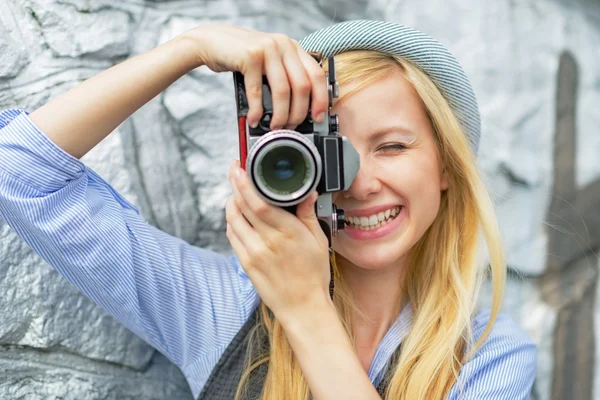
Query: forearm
<point x="80" y="118"/>
<point x="327" y="357"/>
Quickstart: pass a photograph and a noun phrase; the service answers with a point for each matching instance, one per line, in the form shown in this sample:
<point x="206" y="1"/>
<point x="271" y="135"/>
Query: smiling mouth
<point x="373" y="221"/>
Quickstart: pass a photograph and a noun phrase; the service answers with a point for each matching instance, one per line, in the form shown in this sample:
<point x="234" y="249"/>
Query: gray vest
<point x="225" y="376"/>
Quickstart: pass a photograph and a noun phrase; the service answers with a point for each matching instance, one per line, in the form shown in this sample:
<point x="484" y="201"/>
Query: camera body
<point x="285" y="166"/>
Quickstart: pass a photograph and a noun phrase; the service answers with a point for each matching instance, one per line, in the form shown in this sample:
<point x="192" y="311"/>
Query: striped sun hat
<point x="418" y="48"/>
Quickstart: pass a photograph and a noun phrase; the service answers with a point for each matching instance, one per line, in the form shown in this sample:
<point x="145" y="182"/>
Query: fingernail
<point x="238" y="173"/>
<point x="320" y="117"/>
<point x="253" y="124"/>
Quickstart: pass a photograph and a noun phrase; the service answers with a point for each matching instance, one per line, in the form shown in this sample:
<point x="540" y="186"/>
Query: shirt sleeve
<point x="504" y="367"/>
<point x="185" y="301"/>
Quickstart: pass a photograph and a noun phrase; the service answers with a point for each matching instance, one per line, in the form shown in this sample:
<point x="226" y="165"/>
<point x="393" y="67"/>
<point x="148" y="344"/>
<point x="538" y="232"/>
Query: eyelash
<point x="393" y="147"/>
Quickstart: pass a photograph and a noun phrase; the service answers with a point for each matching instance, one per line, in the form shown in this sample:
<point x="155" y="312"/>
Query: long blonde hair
<point x="443" y="273"/>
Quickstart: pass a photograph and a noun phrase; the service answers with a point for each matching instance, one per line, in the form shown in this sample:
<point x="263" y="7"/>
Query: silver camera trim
<point x="300" y="142"/>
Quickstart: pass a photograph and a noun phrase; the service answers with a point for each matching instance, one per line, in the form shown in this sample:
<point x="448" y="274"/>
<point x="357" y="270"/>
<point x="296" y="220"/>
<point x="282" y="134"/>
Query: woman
<point x="402" y="323"/>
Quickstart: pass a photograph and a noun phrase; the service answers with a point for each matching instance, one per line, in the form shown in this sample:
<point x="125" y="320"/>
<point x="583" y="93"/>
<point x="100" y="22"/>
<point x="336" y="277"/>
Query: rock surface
<point x="534" y="68"/>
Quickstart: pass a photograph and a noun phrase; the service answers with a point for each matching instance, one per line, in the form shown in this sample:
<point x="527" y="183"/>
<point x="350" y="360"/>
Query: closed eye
<point x="392" y="147"/>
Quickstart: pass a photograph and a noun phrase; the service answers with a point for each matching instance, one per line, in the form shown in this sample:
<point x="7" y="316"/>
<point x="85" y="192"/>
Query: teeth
<point x="374" y="221"/>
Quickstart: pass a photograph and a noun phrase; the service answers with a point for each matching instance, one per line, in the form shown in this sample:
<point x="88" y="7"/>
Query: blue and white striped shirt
<point x="185" y="301"/>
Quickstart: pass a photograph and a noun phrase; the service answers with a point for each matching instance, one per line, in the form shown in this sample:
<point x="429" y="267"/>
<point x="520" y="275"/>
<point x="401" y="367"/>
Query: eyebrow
<point x="375" y="137"/>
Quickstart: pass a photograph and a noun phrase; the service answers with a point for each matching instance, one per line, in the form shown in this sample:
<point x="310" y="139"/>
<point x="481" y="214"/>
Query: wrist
<point x="188" y="46"/>
<point x="326" y="354"/>
<point x="311" y="318"/>
<point x="197" y="40"/>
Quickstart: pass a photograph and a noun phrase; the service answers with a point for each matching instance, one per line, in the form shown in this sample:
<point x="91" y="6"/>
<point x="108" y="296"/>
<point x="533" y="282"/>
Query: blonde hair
<point x="443" y="273"/>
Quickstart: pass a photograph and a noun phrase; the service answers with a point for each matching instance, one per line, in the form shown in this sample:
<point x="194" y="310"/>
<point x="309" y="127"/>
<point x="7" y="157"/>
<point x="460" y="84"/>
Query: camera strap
<point x="333" y="271"/>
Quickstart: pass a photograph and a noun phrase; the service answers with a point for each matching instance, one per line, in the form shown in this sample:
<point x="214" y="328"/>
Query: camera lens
<point x="283" y="170"/>
<point x="284" y="166"/>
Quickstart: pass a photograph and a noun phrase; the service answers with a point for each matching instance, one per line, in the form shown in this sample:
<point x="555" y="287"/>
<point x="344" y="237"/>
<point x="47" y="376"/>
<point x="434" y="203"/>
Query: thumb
<point x="306" y="213"/>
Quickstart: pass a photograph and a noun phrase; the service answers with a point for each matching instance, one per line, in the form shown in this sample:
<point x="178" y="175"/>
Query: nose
<point x="365" y="183"/>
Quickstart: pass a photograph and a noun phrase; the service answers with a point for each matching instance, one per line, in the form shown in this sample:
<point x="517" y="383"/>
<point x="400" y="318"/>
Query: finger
<point x="257" y="223"/>
<point x="299" y="82"/>
<point x="246" y="234"/>
<point x="237" y="245"/>
<point x="246" y="243"/>
<point x="307" y="215"/>
<point x="253" y="73"/>
<point x="280" y="87"/>
<point x="318" y="83"/>
<point x="262" y="215"/>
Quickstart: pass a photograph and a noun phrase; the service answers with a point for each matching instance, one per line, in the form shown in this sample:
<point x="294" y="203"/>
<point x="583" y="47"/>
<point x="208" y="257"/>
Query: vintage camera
<point x="285" y="166"/>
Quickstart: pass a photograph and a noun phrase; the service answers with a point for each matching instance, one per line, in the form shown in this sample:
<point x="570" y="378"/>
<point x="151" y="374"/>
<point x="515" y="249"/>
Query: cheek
<point x="417" y="182"/>
<point x="424" y="202"/>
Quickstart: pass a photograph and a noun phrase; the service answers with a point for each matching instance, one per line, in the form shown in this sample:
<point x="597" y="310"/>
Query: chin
<point x="371" y="258"/>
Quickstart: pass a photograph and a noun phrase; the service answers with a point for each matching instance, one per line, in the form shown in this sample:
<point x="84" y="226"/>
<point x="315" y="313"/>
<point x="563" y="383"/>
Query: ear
<point x="444" y="179"/>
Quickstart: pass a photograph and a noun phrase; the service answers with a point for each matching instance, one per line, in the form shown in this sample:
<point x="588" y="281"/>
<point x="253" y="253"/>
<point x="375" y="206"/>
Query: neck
<point x="378" y="297"/>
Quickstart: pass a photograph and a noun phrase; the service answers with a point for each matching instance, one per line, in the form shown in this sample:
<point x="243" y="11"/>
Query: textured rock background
<point x="534" y="67"/>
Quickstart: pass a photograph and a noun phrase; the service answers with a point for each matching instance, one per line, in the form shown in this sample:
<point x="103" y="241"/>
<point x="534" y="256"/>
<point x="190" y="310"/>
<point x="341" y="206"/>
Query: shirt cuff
<point x="29" y="156"/>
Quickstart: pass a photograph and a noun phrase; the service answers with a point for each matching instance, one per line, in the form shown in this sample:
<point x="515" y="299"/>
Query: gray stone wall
<point x="534" y="67"/>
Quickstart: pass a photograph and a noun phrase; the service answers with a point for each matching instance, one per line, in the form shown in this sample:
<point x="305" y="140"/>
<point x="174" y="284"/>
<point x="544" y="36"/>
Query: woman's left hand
<point x="285" y="256"/>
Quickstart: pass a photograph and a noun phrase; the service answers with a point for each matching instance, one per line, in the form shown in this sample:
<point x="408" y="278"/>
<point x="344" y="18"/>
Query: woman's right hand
<point x="294" y="76"/>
